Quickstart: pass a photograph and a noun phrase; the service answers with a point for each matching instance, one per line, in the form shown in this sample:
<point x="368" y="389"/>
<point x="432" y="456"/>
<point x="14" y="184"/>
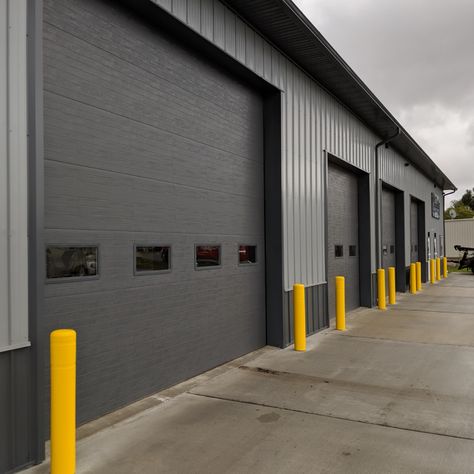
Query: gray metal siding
<point x="458" y="232"/>
<point x="15" y="414"/>
<point x="13" y="176"/>
<point x="312" y="123"/>
<point x="19" y="435"/>
<point x="147" y="142"/>
<point x="343" y="229"/>
<point x="316" y="311"/>
<point x="395" y="172"/>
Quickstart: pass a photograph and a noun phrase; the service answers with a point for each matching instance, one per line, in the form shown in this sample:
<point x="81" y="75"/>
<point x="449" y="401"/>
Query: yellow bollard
<point x="412" y="278"/>
<point x="340" y="304"/>
<point x="391" y="286"/>
<point x="63" y="401"/>
<point x="432" y="271"/>
<point x="299" y="317"/>
<point x="418" y="276"/>
<point x="438" y="268"/>
<point x="381" y="289"/>
<point x="445" y="267"/>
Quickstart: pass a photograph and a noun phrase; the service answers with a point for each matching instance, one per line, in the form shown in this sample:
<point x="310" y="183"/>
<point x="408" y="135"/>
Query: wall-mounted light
<point x="407" y="164"/>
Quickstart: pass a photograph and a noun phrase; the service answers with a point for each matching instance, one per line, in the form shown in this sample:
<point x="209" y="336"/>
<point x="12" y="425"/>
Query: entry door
<point x="414" y="255"/>
<point x="388" y="230"/>
<point x="343" y="235"/>
<point x="429" y="254"/>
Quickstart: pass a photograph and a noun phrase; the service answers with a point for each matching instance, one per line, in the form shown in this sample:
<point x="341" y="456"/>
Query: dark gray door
<point x="343" y="231"/>
<point x="147" y="143"/>
<point x="388" y="231"/>
<point x="413" y="231"/>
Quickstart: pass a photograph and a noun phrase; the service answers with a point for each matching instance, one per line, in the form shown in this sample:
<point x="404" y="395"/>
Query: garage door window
<point x="338" y="251"/>
<point x="207" y="256"/>
<point x="352" y="250"/>
<point x="152" y="259"/>
<point x="71" y="262"/>
<point x="247" y="254"/>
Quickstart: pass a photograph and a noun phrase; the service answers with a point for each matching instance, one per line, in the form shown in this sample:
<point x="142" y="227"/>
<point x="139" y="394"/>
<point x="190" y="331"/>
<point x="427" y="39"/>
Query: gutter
<point x="450" y="192"/>
<point x="378" y="199"/>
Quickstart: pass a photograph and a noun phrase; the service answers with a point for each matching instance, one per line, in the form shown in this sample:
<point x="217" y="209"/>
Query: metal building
<point x="169" y="169"/>
<point x="458" y="232"/>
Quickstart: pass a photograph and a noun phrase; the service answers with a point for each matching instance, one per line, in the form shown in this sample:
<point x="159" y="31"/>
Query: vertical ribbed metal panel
<point x="229" y="19"/>
<point x="13" y="176"/>
<point x="194" y="15"/>
<point x="179" y="9"/>
<point x="166" y="4"/>
<point x="313" y="123"/>
<point x="207" y="19"/>
<point x="219" y="24"/>
<point x="250" y="48"/>
<point x="413" y="183"/>
<point x="16" y="432"/>
<point x="267" y="61"/>
<point x="240" y="40"/>
<point x="459" y="232"/>
<point x="259" y="55"/>
<point x="4" y="198"/>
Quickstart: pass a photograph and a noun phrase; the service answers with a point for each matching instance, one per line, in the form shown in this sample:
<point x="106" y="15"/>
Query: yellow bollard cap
<point x="63" y="335"/>
<point x="63" y="348"/>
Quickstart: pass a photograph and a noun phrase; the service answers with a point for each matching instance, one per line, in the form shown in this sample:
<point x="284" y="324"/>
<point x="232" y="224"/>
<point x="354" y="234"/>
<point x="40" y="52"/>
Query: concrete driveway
<point x="392" y="394"/>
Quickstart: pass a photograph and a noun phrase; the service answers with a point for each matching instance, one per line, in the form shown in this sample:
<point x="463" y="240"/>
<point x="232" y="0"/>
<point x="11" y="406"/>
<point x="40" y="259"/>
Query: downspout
<point x="378" y="199"/>
<point x="444" y="220"/>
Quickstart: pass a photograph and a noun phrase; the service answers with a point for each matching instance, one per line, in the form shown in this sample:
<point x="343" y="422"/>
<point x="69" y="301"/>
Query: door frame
<point x="422" y="236"/>
<point x="364" y="227"/>
<point x="400" y="271"/>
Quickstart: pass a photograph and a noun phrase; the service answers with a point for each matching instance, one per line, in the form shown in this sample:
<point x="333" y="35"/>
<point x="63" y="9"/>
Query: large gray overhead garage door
<point x="150" y="151"/>
<point x="343" y="232"/>
<point x="388" y="231"/>
<point x="413" y="231"/>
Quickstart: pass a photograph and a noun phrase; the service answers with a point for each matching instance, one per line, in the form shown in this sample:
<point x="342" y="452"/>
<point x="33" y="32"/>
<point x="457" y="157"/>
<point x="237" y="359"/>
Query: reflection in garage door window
<point x="247" y="254"/>
<point x="152" y="258"/>
<point x="71" y="262"/>
<point x="208" y="256"/>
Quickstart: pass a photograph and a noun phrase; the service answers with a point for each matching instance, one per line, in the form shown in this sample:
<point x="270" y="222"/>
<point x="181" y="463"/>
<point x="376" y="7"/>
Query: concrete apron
<point x="391" y="394"/>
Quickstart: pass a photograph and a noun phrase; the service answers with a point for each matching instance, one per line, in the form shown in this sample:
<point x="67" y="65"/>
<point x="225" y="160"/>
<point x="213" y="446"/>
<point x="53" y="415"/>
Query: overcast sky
<point x="417" y="56"/>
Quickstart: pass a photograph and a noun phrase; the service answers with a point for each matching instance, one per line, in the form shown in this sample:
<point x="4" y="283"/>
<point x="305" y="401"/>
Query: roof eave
<point x="271" y="17"/>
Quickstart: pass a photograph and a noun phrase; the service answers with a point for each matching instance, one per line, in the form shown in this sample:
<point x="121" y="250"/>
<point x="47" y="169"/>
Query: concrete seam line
<point x="409" y="342"/>
<point x="449" y="314"/>
<point x="382" y="425"/>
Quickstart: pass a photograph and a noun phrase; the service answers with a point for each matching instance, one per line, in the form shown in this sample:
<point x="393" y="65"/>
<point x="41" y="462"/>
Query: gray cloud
<point x="417" y="56"/>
